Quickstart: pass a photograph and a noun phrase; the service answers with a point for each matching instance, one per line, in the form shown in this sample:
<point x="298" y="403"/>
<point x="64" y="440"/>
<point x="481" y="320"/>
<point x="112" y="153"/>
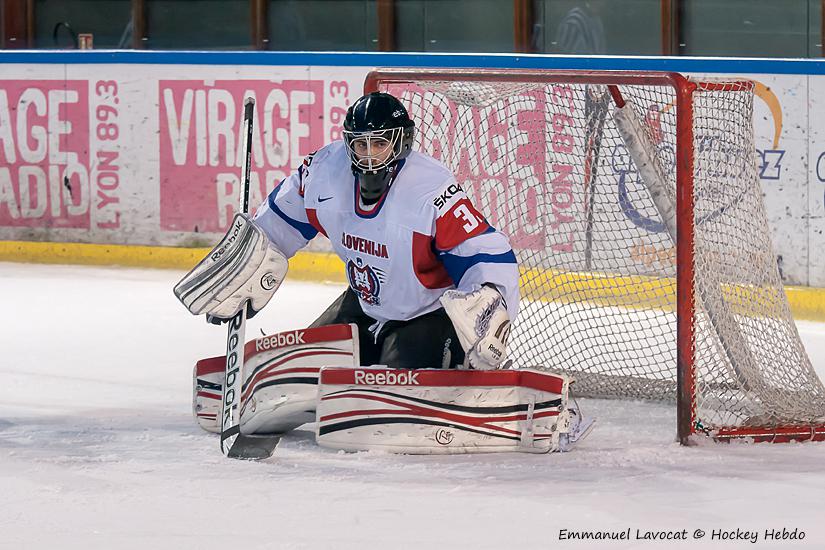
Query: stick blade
<point x="253" y="447"/>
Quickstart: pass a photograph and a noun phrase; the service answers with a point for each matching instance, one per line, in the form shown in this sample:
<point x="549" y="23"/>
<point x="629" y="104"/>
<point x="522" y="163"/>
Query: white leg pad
<point x="208" y="391"/>
<point x="280" y="372"/>
<point x="435" y="411"/>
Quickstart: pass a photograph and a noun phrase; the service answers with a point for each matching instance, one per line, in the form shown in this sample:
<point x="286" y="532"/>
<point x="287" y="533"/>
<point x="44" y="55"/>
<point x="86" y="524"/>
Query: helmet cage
<point x="375" y="144"/>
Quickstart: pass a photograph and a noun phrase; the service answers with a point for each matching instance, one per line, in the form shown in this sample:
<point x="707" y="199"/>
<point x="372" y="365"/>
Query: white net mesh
<point x="547" y="164"/>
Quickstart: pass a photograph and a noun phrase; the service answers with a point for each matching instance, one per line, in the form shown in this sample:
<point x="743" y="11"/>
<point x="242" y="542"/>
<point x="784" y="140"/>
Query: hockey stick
<point x="234" y="444"/>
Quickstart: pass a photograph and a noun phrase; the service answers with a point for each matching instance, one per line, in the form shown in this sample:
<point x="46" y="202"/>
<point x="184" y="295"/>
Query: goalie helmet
<point x="378" y="133"/>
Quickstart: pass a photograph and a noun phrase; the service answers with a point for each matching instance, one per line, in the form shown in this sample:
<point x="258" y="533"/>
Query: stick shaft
<point x="236" y="330"/>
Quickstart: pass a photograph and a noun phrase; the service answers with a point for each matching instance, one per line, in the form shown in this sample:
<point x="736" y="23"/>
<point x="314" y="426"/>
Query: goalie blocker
<point x="244" y="268"/>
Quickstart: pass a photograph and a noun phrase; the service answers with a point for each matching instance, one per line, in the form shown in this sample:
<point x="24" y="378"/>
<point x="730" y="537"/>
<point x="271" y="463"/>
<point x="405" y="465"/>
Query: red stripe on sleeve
<point x="312" y="216"/>
<point x="458" y="224"/>
<point x="428" y="269"/>
<point x="300" y="181"/>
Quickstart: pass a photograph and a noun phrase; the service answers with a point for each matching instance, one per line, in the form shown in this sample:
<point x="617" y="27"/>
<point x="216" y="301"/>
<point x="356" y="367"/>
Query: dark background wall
<point x="747" y="28"/>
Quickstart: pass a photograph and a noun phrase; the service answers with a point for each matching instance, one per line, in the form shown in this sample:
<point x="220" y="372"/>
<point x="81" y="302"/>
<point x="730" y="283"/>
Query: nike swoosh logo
<point x="322" y="199"/>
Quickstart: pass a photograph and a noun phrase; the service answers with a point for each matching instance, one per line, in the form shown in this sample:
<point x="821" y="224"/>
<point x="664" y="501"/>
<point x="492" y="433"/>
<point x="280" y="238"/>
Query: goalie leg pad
<point x="433" y="411"/>
<point x="280" y="386"/>
<point x="208" y="391"/>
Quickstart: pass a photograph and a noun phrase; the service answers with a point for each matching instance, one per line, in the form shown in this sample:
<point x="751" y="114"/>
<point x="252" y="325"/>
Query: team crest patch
<point x="365" y="280"/>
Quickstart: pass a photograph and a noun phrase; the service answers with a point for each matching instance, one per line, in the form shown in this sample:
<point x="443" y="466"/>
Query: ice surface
<point x="98" y="449"/>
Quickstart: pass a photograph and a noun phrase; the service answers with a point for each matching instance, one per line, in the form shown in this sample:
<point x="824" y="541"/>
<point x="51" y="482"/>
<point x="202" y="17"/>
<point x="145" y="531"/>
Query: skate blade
<point x="582" y="430"/>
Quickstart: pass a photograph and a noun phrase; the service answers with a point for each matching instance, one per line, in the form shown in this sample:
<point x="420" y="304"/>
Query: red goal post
<point x="633" y="203"/>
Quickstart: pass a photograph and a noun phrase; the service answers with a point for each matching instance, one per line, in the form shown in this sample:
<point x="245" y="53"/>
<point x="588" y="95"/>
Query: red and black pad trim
<point x="349" y="424"/>
<point x="470" y="418"/>
<point x="210" y="365"/>
<point x="553" y="403"/>
<point x="216" y="392"/>
<point x="265" y="374"/>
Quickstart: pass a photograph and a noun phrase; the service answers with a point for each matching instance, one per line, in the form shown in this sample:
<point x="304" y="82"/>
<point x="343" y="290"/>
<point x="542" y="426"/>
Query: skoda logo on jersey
<point x="364" y="281"/>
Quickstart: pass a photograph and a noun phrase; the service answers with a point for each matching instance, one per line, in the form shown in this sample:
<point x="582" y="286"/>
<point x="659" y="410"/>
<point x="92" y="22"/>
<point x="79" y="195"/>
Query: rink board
<point x="806" y="302"/>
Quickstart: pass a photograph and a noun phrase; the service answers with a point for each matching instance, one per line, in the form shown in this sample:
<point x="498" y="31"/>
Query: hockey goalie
<point x="412" y="357"/>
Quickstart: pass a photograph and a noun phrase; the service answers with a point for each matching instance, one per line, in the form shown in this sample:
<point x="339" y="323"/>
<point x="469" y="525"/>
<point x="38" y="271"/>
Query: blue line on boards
<point x="374" y="59"/>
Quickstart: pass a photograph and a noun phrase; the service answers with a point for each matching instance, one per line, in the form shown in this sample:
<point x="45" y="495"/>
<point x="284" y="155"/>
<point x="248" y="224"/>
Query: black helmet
<point x="376" y="124"/>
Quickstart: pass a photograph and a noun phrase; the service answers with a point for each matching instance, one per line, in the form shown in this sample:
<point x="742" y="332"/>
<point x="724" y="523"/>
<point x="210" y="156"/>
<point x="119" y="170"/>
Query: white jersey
<point x="421" y="238"/>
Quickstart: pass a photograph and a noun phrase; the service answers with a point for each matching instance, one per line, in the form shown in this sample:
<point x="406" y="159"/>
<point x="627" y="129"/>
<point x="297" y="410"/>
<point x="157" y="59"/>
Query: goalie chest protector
<point x="435" y="411"/>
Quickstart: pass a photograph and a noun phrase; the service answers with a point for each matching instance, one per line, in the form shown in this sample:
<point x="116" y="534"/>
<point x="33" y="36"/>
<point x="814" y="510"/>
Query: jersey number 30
<point x="463" y="213"/>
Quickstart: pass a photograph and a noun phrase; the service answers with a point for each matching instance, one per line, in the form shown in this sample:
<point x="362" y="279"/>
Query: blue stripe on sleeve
<point x="457" y="266"/>
<point x="305" y="229"/>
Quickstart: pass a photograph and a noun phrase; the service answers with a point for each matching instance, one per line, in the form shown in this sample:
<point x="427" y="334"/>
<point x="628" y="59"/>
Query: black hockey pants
<point x="428" y="341"/>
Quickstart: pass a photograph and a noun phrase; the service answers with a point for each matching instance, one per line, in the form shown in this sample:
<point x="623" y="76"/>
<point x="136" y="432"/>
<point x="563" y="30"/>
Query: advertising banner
<point x="45" y="153"/>
<point x="150" y="153"/>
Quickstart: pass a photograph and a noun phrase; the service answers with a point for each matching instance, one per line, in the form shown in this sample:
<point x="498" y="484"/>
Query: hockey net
<point x="593" y="175"/>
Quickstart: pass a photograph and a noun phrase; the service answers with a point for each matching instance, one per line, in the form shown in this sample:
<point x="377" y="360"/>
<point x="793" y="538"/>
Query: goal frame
<point x="684" y="89"/>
